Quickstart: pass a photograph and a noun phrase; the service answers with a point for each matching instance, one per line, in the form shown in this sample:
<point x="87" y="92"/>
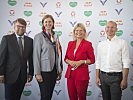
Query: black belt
<point x="112" y="73"/>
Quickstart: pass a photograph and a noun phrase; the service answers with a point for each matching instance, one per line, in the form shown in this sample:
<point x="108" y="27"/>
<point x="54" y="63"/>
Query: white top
<point x="75" y="51"/>
<point x="112" y="56"/>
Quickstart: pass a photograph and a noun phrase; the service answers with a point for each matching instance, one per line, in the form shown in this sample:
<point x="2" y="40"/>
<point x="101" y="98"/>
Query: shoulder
<point x="86" y="42"/>
<point x="121" y="41"/>
<point x="55" y="35"/>
<point x="28" y="37"/>
<point x="8" y="36"/>
<point x="71" y="42"/>
<point x="38" y="36"/>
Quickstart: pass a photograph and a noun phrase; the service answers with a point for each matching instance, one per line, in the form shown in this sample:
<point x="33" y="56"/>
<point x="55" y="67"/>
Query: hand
<point x="72" y="63"/>
<point x="29" y="78"/>
<point x="39" y="78"/>
<point x="2" y="79"/>
<point x="75" y="64"/>
<point x="78" y="63"/>
<point x="98" y="82"/>
<point x="123" y="84"/>
<point x="59" y="76"/>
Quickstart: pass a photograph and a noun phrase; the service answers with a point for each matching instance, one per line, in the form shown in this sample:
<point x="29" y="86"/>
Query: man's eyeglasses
<point x="23" y="27"/>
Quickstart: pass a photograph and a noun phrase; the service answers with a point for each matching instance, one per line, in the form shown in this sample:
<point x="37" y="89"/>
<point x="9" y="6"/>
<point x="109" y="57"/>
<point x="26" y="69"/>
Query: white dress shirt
<point x="112" y="56"/>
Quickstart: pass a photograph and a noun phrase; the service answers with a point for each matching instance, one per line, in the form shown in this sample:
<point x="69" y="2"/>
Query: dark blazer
<point x="11" y="61"/>
<point x="85" y="51"/>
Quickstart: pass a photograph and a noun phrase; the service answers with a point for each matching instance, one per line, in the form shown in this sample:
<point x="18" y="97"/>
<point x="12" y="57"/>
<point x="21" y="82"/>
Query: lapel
<point x="79" y="49"/>
<point x="71" y="49"/>
<point x="45" y="35"/>
<point x="25" y="45"/>
<point x="15" y="44"/>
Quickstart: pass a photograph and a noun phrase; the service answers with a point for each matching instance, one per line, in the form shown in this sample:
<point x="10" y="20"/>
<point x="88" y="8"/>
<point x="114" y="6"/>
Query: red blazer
<point x="85" y="51"/>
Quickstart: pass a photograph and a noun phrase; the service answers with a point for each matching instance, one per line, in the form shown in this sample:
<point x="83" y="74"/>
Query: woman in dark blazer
<point x="78" y="56"/>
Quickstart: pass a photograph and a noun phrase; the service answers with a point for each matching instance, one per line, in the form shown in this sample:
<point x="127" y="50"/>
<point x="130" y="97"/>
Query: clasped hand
<point x="75" y="64"/>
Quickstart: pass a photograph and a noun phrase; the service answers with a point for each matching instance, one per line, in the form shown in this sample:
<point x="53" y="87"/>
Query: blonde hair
<point x="81" y="26"/>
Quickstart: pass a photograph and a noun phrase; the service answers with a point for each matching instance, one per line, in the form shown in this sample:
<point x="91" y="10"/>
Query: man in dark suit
<point x="16" y="62"/>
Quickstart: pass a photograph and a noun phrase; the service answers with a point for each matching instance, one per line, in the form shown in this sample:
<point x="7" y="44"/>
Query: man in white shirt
<point x="112" y="64"/>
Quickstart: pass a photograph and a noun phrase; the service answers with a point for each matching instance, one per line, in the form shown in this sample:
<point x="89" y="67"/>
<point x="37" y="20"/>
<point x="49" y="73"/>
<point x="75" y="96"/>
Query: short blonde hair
<point x="81" y="26"/>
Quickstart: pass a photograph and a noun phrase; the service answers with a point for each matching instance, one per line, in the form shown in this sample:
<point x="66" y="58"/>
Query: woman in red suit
<point x="78" y="56"/>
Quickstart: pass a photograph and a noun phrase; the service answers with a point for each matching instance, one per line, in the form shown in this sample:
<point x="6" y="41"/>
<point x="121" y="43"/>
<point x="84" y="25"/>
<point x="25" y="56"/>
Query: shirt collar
<point x="112" y="38"/>
<point x="19" y="36"/>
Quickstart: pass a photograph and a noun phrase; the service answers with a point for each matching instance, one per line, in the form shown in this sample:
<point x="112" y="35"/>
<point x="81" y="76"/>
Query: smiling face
<point x="111" y="29"/>
<point x="48" y="23"/>
<point x="79" y="31"/>
<point x="20" y="27"/>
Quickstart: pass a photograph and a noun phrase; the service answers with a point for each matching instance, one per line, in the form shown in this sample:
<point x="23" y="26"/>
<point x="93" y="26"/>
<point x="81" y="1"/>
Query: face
<point x="19" y="28"/>
<point x="79" y="33"/>
<point x="48" y="24"/>
<point x="111" y="29"/>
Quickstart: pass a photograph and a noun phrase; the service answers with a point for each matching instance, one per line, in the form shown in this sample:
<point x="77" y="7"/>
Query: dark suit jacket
<point x="84" y="51"/>
<point x="11" y="61"/>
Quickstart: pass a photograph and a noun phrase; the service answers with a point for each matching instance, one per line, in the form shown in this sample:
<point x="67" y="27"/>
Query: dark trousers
<point x="110" y="86"/>
<point x="13" y="91"/>
<point x="48" y="84"/>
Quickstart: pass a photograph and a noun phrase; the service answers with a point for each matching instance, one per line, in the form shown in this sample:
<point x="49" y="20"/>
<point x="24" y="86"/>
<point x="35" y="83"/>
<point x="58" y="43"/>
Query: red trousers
<point x="77" y="89"/>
